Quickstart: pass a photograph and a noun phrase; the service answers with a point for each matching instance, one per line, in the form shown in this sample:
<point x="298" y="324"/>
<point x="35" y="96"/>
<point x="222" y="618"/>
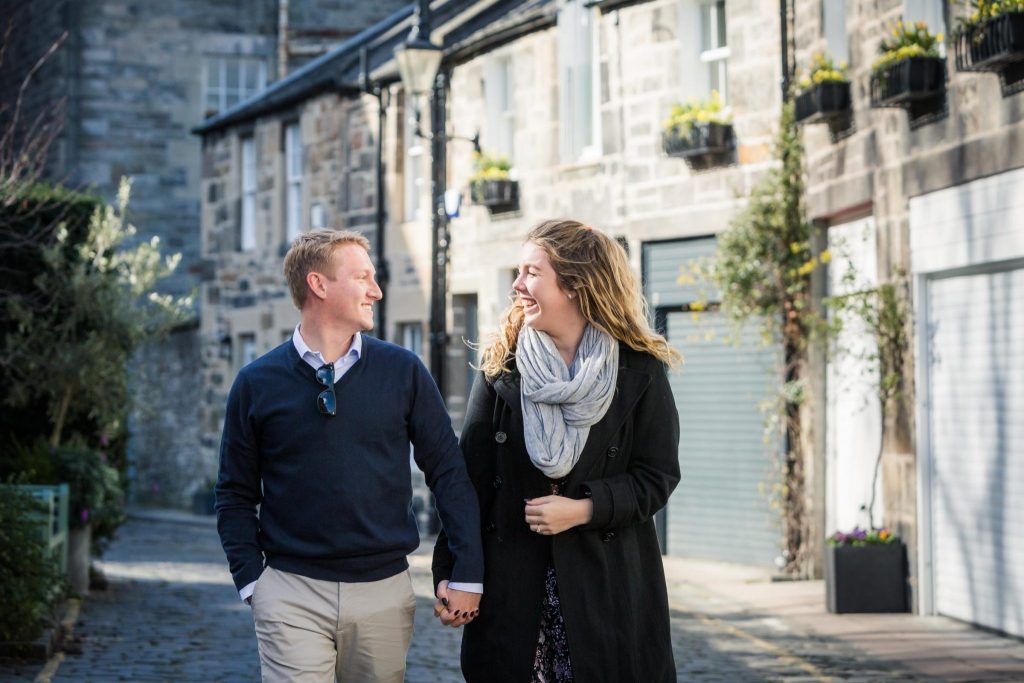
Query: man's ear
<point x="315" y="282"/>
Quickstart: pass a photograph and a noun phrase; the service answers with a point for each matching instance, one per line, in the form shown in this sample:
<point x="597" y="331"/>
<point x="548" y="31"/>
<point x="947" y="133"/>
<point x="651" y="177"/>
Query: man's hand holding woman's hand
<point x="455" y="608"/>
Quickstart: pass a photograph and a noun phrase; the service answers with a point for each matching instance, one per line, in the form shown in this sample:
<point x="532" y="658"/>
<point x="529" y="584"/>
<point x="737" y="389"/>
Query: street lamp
<point x="418" y="63"/>
<point x="418" y="58"/>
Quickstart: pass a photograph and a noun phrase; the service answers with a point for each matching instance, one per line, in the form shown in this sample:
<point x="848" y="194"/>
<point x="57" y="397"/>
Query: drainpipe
<point x="282" y="38"/>
<point x="383" y="275"/>
<point x="784" y="43"/>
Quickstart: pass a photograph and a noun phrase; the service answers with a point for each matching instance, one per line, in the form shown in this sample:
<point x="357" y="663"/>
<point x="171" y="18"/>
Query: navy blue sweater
<point x="334" y="493"/>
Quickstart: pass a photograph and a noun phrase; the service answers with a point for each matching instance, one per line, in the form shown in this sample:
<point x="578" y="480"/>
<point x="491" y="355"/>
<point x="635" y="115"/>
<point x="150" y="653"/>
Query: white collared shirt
<point x="315" y="359"/>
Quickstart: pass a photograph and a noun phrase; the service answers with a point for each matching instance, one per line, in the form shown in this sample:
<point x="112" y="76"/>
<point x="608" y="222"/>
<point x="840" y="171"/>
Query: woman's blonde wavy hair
<point x="596" y="269"/>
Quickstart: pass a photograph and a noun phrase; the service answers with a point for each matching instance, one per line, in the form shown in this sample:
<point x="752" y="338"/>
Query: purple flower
<point x="85" y="515"/>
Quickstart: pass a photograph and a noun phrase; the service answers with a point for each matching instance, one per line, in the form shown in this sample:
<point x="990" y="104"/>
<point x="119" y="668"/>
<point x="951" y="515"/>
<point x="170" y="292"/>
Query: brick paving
<point x="171" y="614"/>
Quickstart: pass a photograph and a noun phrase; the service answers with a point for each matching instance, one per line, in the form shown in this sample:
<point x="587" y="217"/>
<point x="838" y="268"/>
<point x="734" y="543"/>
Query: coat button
<point x="608" y="536"/>
<point x="501" y="437"/>
<point x="613" y="451"/>
<point x="491" y="527"/>
<point x="497" y="481"/>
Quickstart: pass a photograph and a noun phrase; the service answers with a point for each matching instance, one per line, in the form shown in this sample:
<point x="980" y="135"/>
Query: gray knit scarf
<point x="561" y="403"/>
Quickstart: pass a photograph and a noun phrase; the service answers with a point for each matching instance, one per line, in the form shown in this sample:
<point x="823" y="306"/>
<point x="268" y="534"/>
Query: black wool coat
<point x="611" y="582"/>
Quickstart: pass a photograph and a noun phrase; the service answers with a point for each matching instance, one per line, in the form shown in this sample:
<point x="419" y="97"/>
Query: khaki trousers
<point x="313" y="631"/>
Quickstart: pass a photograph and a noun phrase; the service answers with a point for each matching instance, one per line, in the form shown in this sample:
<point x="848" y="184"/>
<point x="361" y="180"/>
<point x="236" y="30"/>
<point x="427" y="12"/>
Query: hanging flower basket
<point x="992" y="45"/>
<point x="908" y="80"/>
<point x="824" y="102"/>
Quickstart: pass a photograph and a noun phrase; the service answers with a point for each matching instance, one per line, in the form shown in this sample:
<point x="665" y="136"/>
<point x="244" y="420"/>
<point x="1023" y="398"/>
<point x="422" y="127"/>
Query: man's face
<point x="352" y="288"/>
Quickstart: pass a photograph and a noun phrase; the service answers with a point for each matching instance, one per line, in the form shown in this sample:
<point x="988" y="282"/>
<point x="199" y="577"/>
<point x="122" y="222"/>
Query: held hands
<point x="455" y="608"/>
<point x="551" y="515"/>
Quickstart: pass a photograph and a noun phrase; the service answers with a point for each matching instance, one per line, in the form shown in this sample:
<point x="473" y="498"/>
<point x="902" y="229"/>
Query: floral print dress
<point x="551" y="658"/>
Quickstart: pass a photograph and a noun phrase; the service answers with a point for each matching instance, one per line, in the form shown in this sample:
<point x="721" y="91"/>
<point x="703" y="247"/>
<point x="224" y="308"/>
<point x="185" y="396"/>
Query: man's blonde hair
<point x="312" y="252"/>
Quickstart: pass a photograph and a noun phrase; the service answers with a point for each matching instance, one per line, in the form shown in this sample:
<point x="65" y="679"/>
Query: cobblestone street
<point x="171" y="614"/>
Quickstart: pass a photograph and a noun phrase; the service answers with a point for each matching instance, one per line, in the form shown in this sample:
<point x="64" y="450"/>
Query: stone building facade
<point x="576" y="96"/>
<point x="134" y="79"/>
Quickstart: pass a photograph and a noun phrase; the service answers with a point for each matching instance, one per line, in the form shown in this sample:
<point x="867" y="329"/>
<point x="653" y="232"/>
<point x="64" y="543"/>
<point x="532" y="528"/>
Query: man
<point x="317" y="435"/>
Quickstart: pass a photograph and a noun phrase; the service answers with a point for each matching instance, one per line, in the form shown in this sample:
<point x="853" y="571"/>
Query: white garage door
<point x="975" y="368"/>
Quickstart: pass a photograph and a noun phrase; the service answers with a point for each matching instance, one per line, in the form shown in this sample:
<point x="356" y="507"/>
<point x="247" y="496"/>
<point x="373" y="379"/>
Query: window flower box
<point x="995" y="45"/>
<point x="699" y="132"/>
<point x="909" y="80"/>
<point x="824" y="103"/>
<point x="498" y="195"/>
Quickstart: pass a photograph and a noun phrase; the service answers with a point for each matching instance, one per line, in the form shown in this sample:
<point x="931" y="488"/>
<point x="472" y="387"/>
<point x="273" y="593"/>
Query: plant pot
<point x="868" y="578"/>
<point x="79" y="557"/>
<point x="993" y="45"/>
<point x="907" y="81"/>
<point x="203" y="502"/>
<point x="702" y="139"/>
<point x="498" y="196"/>
<point x="824" y="102"/>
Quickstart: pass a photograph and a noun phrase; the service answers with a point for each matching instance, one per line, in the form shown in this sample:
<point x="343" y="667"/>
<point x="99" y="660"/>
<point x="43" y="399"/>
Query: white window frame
<point x="579" y="73"/>
<point x="316" y="217"/>
<point x="413" y="163"/>
<point x="499" y="93"/>
<point x="215" y="84"/>
<point x="833" y="29"/>
<point x="715" y="56"/>
<point x="293" y="155"/>
<point x="247" y="227"/>
<point x="410" y="336"/>
<point x="246" y="348"/>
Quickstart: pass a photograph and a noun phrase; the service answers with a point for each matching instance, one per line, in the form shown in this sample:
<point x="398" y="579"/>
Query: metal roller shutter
<point x="975" y="367"/>
<point x="720" y="509"/>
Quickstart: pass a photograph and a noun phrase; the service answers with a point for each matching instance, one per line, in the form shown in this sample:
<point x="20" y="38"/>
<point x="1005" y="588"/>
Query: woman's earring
<point x="571" y="296"/>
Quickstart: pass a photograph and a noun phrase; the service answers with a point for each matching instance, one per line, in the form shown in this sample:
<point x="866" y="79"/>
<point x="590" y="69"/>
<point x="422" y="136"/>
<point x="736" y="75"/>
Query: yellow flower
<point x="807" y="267"/>
<point x="826" y="256"/>
<point x="698" y="306"/>
<point x="882" y="535"/>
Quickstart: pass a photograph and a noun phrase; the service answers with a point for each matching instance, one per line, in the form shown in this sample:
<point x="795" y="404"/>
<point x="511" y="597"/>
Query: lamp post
<point x="418" y="63"/>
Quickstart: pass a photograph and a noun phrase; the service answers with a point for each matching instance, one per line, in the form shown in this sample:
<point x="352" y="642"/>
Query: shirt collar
<point x="355" y="350"/>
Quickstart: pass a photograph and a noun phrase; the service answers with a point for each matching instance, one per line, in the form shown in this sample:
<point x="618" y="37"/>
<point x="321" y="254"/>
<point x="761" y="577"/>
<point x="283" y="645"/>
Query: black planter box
<point x="991" y="46"/>
<point x="702" y="139"/>
<point x="203" y="503"/>
<point x="907" y="81"/>
<point x="497" y="195"/>
<point x="824" y="103"/>
<point x="869" y="578"/>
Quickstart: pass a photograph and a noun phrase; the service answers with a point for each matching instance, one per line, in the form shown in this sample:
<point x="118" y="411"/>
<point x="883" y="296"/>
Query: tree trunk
<point x="58" y="422"/>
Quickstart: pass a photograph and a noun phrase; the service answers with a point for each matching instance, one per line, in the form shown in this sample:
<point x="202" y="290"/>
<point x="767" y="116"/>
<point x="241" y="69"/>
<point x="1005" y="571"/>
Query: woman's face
<point x="547" y="306"/>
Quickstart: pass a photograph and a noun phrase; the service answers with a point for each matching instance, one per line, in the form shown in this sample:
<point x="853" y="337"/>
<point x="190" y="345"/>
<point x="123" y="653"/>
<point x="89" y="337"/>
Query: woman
<point x="570" y="438"/>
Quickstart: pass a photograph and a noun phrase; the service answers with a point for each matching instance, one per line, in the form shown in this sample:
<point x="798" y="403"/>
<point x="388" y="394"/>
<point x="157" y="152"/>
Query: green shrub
<point x="97" y="493"/>
<point x="30" y="581"/>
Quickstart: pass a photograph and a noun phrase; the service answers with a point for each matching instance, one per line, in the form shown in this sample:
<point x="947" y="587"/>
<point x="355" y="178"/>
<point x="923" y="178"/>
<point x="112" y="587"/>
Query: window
<point x="247" y="242"/>
<point x="576" y="78"/>
<point x="229" y="80"/>
<point x="316" y="217"/>
<point x="293" y="171"/>
<point x="833" y="27"/>
<point x="410" y="336"/>
<point x="246" y="349"/>
<point x="413" y="164"/>
<point x="715" y="47"/>
<point x="500" y="122"/>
